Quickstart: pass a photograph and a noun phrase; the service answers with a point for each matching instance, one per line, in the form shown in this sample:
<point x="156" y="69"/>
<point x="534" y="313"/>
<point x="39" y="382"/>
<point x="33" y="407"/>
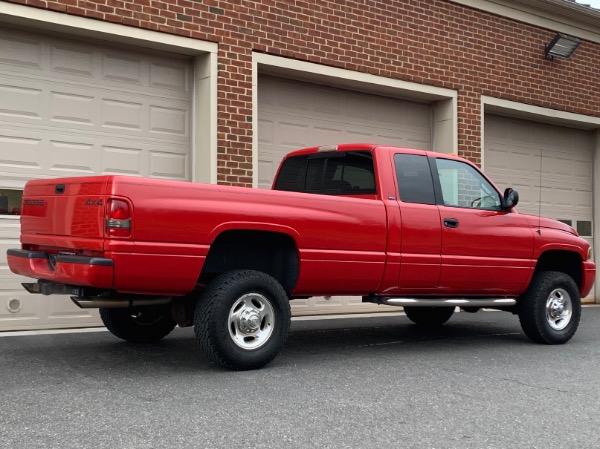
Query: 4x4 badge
<point x="91" y="202"/>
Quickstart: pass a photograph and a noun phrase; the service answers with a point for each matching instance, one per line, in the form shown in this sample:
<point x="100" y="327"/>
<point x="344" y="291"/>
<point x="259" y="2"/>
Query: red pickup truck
<point x="426" y="231"/>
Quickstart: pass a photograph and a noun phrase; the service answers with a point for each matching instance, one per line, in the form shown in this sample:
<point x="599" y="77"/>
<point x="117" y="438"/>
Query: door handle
<point x="451" y="222"/>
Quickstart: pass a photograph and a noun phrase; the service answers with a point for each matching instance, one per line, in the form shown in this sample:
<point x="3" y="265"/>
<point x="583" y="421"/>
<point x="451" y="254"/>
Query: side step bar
<point x="437" y="302"/>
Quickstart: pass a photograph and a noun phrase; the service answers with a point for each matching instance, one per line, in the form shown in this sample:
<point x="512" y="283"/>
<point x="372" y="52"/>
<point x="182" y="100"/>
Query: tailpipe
<point x="107" y="303"/>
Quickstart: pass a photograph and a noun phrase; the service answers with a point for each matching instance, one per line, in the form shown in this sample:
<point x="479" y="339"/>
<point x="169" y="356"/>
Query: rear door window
<point x="349" y="173"/>
<point x="415" y="183"/>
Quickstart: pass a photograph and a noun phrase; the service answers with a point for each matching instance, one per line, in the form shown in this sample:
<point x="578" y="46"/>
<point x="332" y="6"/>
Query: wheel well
<point x="270" y="252"/>
<point x="566" y="261"/>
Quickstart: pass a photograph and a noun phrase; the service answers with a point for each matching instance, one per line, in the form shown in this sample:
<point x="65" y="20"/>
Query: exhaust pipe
<point x="95" y="303"/>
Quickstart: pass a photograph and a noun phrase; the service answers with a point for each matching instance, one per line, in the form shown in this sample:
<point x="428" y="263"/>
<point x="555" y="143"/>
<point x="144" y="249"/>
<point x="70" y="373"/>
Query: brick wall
<point x="434" y="42"/>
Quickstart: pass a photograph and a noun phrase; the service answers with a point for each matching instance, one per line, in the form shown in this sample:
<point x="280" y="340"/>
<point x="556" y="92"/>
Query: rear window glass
<point x="349" y="173"/>
<point x="414" y="179"/>
<point x="292" y="174"/>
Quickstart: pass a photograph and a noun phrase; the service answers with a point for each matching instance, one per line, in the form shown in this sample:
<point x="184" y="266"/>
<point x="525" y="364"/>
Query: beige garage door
<point x="517" y="152"/>
<point x="293" y="114"/>
<point x="73" y="108"/>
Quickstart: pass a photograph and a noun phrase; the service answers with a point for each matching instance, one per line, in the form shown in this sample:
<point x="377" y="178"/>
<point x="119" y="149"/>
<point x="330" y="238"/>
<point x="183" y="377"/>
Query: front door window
<point x="463" y="186"/>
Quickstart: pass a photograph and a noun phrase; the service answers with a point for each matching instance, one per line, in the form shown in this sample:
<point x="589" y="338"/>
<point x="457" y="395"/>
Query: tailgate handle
<point x="59" y="189"/>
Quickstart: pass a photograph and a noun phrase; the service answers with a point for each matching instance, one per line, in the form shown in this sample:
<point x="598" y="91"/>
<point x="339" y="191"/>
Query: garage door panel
<point x="22" y="311"/>
<point x="19" y="50"/>
<point x="171" y="162"/>
<point x="122" y="115"/>
<point x="140" y="72"/>
<point x="266" y="131"/>
<point x="19" y="101"/>
<point x="266" y="170"/>
<point x="416" y="142"/>
<point x="558" y="165"/>
<point x="78" y="108"/>
<point x="63" y="61"/>
<point x="173" y="76"/>
<point x="72" y="109"/>
<point x="21" y="154"/>
<point x="416" y="116"/>
<point x="168" y="165"/>
<point x="356" y="136"/>
<point x="169" y="120"/>
<point x="121" y="160"/>
<point x="293" y="115"/>
<point x="57" y="154"/>
<point x="518" y="151"/>
<point x="71" y="58"/>
<point x="122" y="68"/>
<point x="289" y="133"/>
<point x="73" y="157"/>
<point x="329" y="104"/>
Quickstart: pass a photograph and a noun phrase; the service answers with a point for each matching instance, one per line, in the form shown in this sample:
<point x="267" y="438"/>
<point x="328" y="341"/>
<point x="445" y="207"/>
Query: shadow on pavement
<point x="351" y="338"/>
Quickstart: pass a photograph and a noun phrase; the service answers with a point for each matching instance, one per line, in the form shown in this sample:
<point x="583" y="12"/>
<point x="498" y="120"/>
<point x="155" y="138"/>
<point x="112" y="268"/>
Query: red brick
<point x="435" y="42"/>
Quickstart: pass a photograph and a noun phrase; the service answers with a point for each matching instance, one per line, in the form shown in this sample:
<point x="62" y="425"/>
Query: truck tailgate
<point x="64" y="207"/>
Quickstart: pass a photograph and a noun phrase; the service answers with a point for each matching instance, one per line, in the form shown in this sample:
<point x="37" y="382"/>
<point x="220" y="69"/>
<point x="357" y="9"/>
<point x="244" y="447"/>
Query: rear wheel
<point x="139" y="325"/>
<point x="428" y="316"/>
<point x="550" y="309"/>
<point x="242" y="319"/>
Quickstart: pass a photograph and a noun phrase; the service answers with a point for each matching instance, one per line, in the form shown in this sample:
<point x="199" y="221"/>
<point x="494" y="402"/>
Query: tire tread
<point x="207" y="311"/>
<point x="533" y="302"/>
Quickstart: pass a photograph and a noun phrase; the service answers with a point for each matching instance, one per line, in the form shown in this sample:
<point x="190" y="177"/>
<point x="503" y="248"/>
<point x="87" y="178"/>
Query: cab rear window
<point x="347" y="173"/>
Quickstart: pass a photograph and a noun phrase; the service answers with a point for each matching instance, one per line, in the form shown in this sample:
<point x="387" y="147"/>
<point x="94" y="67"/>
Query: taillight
<point x="118" y="218"/>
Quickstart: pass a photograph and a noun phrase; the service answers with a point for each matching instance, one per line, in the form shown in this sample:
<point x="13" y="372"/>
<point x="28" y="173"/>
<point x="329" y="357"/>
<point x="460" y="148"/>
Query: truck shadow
<point x="310" y="342"/>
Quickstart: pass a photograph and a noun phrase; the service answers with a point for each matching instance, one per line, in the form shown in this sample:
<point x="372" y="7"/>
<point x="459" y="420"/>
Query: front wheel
<point x="428" y="316"/>
<point x="550" y="309"/>
<point x="139" y="325"/>
<point x="242" y="319"/>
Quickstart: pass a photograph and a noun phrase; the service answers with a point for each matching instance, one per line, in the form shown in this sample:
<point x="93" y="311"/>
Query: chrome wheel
<point x="251" y="321"/>
<point x="559" y="309"/>
<point x="550" y="309"/>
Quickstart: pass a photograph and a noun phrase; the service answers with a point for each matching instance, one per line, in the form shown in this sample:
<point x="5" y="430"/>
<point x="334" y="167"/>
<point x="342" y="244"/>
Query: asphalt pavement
<point x="339" y="383"/>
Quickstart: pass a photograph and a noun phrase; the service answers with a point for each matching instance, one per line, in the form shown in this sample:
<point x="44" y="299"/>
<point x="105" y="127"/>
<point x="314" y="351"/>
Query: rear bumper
<point x="67" y="269"/>
<point x="589" y="274"/>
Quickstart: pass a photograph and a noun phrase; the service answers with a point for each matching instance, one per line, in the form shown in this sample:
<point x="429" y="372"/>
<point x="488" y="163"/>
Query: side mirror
<point x="511" y="198"/>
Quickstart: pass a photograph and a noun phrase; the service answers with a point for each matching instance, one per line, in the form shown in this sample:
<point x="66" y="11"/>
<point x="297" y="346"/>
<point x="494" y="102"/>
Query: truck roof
<point x="367" y="147"/>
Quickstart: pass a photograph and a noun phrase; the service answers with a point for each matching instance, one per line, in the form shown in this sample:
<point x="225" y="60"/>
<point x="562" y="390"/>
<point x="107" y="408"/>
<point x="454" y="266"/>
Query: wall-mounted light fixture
<point x="562" y="45"/>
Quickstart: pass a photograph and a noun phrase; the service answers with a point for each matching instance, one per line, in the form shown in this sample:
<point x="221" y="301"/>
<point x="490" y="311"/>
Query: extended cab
<point x="426" y="231"/>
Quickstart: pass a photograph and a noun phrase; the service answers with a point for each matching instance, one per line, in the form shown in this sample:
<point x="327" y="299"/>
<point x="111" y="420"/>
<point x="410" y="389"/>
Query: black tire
<point x="429" y="316"/>
<point x="541" y="316"/>
<point x="139" y="325"/>
<point x="242" y="319"/>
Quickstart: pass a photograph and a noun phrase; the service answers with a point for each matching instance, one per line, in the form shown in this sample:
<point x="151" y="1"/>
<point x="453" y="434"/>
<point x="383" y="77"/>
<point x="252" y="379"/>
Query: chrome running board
<point x="436" y="302"/>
